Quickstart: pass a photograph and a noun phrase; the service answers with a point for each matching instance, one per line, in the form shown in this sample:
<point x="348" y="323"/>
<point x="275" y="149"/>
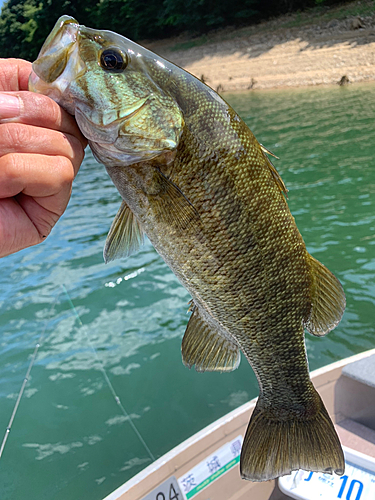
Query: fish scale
<point x="195" y="180"/>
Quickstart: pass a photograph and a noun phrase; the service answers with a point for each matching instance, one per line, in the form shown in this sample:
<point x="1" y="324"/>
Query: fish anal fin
<point x="205" y="348"/>
<point x="125" y="235"/>
<point x="275" y="447"/>
<point x="328" y="300"/>
<point x="170" y="204"/>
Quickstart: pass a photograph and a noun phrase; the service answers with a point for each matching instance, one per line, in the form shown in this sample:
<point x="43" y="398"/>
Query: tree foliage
<point x="25" y="24"/>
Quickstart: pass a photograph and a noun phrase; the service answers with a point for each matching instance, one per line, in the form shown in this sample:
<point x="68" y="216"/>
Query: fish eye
<point x="113" y="60"/>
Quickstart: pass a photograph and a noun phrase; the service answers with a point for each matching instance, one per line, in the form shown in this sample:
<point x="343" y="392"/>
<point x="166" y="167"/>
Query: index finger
<point x="14" y="74"/>
<point x="41" y="111"/>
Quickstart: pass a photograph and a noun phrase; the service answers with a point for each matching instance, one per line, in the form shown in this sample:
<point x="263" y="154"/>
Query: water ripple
<point x="134" y="310"/>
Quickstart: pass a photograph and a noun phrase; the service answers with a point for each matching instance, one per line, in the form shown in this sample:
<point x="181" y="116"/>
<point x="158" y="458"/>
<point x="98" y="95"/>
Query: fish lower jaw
<point x="111" y="156"/>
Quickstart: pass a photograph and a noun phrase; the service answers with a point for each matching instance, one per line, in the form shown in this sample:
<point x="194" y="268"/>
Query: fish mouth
<point x="54" y="54"/>
<point x="58" y="61"/>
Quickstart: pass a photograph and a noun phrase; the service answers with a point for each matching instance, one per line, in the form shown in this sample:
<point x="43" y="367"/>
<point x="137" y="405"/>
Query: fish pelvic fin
<point x="125" y="235"/>
<point x="205" y="348"/>
<point x="328" y="300"/>
<point x="274" y="448"/>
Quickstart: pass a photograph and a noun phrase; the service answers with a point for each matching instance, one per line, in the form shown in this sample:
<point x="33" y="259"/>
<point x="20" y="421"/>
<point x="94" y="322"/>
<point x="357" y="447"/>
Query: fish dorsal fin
<point x="328" y="300"/>
<point x="205" y="348"/>
<point x="171" y="205"/>
<point x="274" y="172"/>
<point x="125" y="235"/>
<point x="265" y="150"/>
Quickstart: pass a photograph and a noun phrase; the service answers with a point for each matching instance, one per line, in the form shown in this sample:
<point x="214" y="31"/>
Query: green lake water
<point x="70" y="439"/>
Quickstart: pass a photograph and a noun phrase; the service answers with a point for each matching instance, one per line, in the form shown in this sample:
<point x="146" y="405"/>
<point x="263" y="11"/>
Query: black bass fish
<point x="194" y="179"/>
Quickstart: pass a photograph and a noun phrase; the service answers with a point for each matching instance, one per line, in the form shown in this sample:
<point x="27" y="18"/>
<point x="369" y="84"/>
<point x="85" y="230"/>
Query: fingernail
<point x="9" y="106"/>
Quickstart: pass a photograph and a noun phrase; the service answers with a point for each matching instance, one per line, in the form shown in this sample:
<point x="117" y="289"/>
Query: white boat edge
<point x="222" y="422"/>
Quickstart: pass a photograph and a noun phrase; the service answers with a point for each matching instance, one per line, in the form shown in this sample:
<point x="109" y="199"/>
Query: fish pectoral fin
<point x="276" y="446"/>
<point x="205" y="348"/>
<point x="328" y="300"/>
<point x="125" y="235"/>
<point x="171" y="205"/>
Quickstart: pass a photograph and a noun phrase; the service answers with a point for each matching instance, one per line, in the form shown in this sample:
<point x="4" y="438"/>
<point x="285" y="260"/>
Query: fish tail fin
<point x="274" y="447"/>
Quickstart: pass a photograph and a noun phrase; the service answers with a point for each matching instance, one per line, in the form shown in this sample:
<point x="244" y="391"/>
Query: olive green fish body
<point x="226" y="254"/>
<point x="193" y="178"/>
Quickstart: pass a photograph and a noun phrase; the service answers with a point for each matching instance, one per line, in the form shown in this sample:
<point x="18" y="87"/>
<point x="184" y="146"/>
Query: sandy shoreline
<point x="272" y="56"/>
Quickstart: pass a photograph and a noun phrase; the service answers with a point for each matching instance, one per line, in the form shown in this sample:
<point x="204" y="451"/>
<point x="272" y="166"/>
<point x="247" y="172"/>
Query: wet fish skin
<point x="195" y="180"/>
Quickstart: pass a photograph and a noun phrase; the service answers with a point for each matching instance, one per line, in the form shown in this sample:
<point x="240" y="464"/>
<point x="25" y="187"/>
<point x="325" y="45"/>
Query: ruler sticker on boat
<point x="211" y="468"/>
<point x="357" y="483"/>
<point x="169" y="490"/>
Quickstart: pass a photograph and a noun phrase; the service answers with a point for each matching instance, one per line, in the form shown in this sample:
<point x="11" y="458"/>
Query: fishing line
<point x="25" y="380"/>
<point x="102" y="369"/>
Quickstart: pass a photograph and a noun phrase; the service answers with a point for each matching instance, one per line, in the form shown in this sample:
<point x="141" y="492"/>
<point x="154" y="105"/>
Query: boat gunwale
<point x="216" y="425"/>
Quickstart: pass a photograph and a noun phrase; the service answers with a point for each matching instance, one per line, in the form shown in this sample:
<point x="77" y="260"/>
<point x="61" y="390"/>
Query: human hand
<point x="41" y="150"/>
